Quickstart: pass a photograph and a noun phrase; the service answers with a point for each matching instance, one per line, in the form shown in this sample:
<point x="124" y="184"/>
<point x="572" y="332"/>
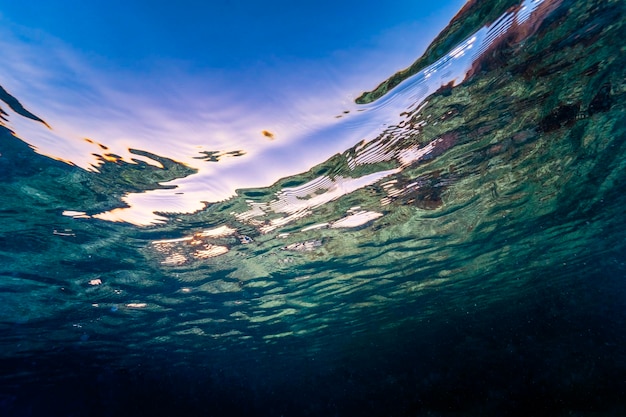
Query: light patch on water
<point x="315" y="227"/>
<point x="271" y="302"/>
<point x="200" y="245"/>
<point x="277" y="335"/>
<point x="260" y="284"/>
<point x="230" y="333"/>
<point x="210" y="251"/>
<point x="356" y="219"/>
<point x="305" y="246"/>
<point x="220" y="231"/>
<point x="76" y="214"/>
<point x="302" y="304"/>
<point x="219" y="286"/>
<point x="273" y="317"/>
<point x="174" y="259"/>
<point x="195" y="331"/>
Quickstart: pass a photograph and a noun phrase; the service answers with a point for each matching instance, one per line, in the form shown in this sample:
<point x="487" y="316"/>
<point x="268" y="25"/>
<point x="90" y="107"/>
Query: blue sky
<point x="180" y="78"/>
<point x="221" y="34"/>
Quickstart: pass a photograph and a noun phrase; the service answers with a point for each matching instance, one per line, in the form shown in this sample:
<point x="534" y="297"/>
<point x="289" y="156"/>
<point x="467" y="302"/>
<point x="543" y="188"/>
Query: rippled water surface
<point x="451" y="243"/>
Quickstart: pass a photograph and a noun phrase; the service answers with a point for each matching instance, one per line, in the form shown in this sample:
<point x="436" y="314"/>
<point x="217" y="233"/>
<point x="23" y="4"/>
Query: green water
<point x="491" y="284"/>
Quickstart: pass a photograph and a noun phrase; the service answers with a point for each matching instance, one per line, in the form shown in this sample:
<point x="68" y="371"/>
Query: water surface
<point x="455" y="246"/>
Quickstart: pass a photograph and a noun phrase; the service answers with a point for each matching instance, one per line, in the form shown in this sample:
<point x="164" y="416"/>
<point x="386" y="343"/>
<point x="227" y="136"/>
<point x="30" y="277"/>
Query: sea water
<point x="463" y="256"/>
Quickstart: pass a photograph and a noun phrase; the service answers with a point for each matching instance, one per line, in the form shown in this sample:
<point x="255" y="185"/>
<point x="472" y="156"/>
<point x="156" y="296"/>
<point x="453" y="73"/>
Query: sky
<point x="180" y="78"/>
<point x="223" y="34"/>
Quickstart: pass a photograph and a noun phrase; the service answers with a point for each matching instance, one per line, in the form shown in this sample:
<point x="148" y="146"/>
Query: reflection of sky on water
<point x="199" y="77"/>
<point x="179" y="115"/>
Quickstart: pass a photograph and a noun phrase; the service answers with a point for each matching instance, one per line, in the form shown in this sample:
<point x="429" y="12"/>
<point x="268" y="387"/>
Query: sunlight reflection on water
<point x="364" y="123"/>
<point x="269" y="144"/>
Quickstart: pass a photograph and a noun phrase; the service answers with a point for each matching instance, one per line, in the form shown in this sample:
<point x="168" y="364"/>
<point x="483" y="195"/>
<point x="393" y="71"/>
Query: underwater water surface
<point x="456" y="248"/>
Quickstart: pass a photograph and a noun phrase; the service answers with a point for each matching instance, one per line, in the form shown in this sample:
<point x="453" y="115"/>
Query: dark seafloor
<point x="492" y="285"/>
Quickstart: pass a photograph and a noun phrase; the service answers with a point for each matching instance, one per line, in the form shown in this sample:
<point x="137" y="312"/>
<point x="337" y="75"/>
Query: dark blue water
<point x="468" y="261"/>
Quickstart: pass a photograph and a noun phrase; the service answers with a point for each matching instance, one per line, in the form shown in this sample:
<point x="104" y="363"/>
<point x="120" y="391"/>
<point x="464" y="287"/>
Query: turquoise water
<point x="466" y="258"/>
